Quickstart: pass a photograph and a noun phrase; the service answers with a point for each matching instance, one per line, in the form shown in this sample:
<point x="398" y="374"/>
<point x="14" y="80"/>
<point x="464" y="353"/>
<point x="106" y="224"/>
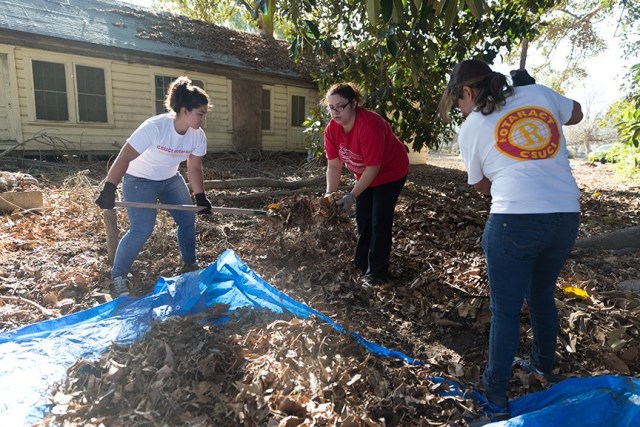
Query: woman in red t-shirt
<point x="364" y="142"/>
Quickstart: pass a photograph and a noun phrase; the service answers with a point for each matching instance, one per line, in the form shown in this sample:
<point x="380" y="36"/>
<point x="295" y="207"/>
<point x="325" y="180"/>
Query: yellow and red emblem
<point x="529" y="133"/>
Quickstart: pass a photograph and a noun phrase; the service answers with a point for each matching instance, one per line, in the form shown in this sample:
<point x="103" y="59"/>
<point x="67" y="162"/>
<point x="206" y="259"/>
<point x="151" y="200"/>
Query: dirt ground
<point x="299" y="372"/>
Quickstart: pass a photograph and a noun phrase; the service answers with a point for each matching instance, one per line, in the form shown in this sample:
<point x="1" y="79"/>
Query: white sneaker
<point x="119" y="287"/>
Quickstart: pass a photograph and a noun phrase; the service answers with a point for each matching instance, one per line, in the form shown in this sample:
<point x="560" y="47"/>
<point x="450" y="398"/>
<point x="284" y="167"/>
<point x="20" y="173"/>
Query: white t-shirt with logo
<point x="521" y="149"/>
<point x="162" y="149"/>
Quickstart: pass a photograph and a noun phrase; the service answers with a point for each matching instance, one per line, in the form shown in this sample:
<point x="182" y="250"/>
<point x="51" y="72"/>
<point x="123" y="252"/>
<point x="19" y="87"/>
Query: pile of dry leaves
<point x="264" y="370"/>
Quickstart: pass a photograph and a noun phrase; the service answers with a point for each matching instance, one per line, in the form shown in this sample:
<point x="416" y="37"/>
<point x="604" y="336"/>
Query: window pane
<point x="266" y="109"/>
<point x="50" y="90"/>
<point x="297" y="110"/>
<point x="162" y="84"/>
<point x="92" y="98"/>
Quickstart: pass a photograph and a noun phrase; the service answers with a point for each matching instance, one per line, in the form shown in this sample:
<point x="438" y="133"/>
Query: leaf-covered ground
<point x="280" y="371"/>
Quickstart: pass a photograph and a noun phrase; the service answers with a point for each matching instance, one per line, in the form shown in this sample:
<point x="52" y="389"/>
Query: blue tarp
<point x="36" y="356"/>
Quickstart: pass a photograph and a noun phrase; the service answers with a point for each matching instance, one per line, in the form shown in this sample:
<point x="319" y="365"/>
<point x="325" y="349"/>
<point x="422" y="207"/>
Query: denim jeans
<point x="525" y="254"/>
<point x="141" y="220"/>
<point x="375" y="208"/>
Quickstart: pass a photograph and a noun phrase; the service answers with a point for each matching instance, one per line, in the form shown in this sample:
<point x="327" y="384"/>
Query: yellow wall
<point x="131" y="100"/>
<point x="283" y="136"/>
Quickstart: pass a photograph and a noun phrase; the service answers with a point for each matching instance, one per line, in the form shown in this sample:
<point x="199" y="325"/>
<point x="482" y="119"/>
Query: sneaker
<point x="119" y="287"/>
<point x="369" y="281"/>
<point x="527" y="366"/>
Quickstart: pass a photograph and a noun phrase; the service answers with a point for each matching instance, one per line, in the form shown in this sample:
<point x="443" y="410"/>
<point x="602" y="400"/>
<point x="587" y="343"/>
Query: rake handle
<point x="194" y="208"/>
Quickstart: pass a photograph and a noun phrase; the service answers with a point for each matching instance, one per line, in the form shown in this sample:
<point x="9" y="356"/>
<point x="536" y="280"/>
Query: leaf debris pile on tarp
<point x="253" y="370"/>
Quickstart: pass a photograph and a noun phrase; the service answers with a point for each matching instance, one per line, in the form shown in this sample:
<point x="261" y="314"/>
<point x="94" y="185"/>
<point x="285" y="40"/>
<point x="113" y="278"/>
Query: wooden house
<point x="81" y="75"/>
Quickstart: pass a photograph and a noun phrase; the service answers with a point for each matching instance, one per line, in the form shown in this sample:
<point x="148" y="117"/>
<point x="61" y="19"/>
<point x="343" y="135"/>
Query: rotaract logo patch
<point x="529" y="133"/>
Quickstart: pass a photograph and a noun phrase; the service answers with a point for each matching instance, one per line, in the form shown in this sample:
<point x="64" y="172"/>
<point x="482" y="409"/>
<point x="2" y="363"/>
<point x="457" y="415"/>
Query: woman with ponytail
<point x="148" y="167"/>
<point x="514" y="150"/>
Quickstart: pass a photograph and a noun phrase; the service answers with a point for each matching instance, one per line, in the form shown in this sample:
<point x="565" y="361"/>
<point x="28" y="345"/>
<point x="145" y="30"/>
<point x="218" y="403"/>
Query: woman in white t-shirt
<point x="148" y="167"/>
<point x="514" y="149"/>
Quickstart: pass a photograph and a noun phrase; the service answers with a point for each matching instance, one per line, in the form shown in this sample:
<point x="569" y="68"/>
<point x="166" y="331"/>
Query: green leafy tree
<point x="625" y="114"/>
<point x="400" y="52"/>
<point x="241" y="14"/>
<point x="628" y="123"/>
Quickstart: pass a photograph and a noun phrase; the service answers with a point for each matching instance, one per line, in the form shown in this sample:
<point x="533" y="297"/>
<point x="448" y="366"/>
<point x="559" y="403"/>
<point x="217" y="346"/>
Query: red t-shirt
<point x="370" y="142"/>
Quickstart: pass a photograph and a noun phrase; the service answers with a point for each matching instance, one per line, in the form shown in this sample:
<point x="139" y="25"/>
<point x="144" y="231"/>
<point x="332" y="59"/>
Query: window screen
<point x="50" y="90"/>
<point x="92" y="96"/>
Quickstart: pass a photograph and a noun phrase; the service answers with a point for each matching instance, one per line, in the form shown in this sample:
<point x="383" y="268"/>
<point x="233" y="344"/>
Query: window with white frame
<point x="51" y="92"/>
<point x="161" y="85"/>
<point x="297" y="110"/>
<point x="92" y="94"/>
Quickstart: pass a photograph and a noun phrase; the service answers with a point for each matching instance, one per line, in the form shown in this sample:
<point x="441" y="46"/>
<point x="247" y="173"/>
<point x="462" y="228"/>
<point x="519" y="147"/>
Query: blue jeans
<point x="525" y="254"/>
<point x="375" y="208"/>
<point x="141" y="220"/>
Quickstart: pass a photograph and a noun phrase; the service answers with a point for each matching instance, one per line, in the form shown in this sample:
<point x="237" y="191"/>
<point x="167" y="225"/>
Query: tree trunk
<point x="628" y="238"/>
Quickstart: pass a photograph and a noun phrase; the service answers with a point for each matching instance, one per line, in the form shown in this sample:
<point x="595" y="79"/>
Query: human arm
<point x="119" y="168"/>
<point x="334" y="171"/>
<point x="367" y="177"/>
<point x="483" y="186"/>
<point x="107" y="197"/>
<point x="576" y="114"/>
<point x="196" y="180"/>
<point x="195" y="174"/>
<point x="370" y="172"/>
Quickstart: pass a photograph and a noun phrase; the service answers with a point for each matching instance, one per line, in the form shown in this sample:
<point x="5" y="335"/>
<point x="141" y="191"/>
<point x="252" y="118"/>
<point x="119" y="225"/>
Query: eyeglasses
<point x="338" y="108"/>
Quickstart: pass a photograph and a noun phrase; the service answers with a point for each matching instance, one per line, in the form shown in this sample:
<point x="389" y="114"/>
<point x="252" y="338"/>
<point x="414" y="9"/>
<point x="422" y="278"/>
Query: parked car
<point x="600" y="153"/>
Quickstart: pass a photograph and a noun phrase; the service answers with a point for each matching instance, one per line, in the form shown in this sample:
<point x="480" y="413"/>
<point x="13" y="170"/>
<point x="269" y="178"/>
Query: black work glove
<point x="201" y="200"/>
<point x="107" y="197"/>
<point x="521" y="78"/>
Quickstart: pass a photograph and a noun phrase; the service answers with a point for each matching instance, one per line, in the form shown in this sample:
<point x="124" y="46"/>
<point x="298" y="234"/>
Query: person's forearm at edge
<point x="120" y="166"/>
<point x="483" y="186"/>
<point x="195" y="174"/>
<point x="334" y="170"/>
<point x="367" y="177"/>
<point x="576" y="114"/>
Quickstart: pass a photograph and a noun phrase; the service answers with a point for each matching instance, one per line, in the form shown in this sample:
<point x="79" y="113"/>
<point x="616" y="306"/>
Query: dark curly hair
<point x="182" y="93"/>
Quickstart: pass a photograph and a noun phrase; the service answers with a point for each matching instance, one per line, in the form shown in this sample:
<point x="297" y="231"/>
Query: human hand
<point x="346" y="202"/>
<point x="201" y="200"/>
<point x="107" y="197"/>
<point x="521" y="78"/>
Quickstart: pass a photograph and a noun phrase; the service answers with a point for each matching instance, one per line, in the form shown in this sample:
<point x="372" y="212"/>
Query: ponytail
<point x="182" y="93"/>
<point x="491" y="88"/>
<point x="492" y="93"/>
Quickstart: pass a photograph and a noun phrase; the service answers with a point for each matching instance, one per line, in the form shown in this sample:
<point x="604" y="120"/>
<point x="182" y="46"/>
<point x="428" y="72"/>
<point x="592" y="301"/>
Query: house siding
<point x="283" y="137"/>
<point x="130" y="96"/>
<point x="130" y="46"/>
